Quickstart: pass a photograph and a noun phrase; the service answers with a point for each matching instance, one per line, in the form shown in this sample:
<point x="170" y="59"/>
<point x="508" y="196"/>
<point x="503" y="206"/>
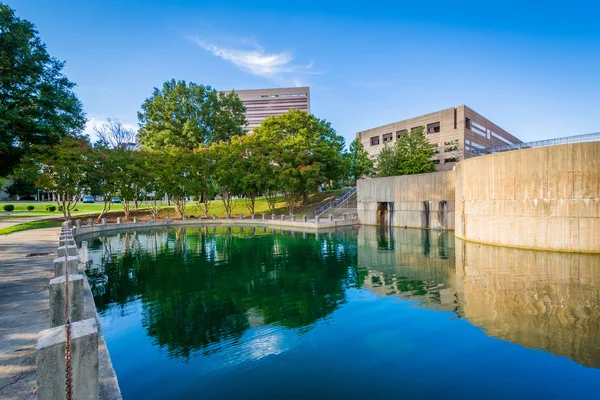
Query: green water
<point x="359" y="312"/>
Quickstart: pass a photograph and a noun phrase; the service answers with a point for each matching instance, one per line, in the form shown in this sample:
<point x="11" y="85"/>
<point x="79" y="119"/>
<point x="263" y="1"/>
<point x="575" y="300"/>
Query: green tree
<point x="23" y="181"/>
<point x="306" y="150"/>
<point x="386" y="161"/>
<point x="178" y="179"/>
<point x="65" y="170"/>
<point x="228" y="172"/>
<point x="37" y="102"/>
<point x="102" y="176"/>
<point x="189" y="116"/>
<point x="254" y="179"/>
<point x="129" y="177"/>
<point x="411" y="154"/>
<point x="360" y="164"/>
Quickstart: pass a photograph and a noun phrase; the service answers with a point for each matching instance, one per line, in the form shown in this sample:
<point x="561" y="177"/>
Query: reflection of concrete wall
<point x="537" y="299"/>
<point x="415" y="264"/>
<point x="544" y="198"/>
<point x="408" y="194"/>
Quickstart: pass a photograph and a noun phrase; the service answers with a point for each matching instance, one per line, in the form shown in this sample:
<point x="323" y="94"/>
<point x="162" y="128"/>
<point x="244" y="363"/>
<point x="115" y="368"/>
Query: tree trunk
<point x="305" y="198"/>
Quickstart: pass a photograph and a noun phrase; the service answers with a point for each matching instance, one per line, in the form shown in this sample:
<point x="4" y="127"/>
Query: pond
<point x="360" y="312"/>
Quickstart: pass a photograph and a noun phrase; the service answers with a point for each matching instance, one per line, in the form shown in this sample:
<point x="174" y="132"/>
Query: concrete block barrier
<point x="60" y="268"/>
<point x="51" y="364"/>
<point x="70" y="250"/>
<point x="57" y="299"/>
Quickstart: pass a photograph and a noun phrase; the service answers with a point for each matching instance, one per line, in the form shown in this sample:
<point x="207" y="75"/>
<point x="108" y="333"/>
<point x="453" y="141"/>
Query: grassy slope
<point x="261" y="206"/>
<point x="30" y="225"/>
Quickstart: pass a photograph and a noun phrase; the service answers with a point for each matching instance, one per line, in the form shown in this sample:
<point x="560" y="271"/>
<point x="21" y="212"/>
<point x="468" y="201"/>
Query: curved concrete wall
<point x="543" y="198"/>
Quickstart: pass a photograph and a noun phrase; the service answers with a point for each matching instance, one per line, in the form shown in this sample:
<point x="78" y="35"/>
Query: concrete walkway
<point x="23" y="306"/>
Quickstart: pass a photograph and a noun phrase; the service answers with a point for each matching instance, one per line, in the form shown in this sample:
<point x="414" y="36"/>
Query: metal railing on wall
<point x="590" y="137"/>
<point x="335" y="202"/>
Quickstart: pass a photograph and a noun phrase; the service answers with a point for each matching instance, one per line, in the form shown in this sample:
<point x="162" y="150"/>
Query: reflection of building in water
<point x="417" y="264"/>
<point x="537" y="299"/>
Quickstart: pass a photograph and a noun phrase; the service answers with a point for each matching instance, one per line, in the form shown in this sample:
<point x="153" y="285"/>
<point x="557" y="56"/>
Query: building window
<point x="467" y="123"/>
<point x="455" y="141"/>
<point x="433" y="128"/>
<point x="436" y="161"/>
<point x="451" y="159"/>
<point x="414" y="129"/>
<point x="401" y="133"/>
<point x="449" y="149"/>
<point x="374" y="140"/>
<point x="387" y="138"/>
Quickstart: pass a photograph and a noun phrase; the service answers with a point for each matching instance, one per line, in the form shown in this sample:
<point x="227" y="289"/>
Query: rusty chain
<point x="68" y="369"/>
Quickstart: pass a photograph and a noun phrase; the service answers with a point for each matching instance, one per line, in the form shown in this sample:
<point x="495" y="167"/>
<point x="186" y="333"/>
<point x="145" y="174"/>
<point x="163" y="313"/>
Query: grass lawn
<point x="47" y="223"/>
<point x="40" y="208"/>
<point x="261" y="206"/>
<point x="216" y="207"/>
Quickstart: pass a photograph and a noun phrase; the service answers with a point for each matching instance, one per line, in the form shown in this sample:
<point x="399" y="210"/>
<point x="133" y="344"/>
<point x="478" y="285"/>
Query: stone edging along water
<point x="271" y="223"/>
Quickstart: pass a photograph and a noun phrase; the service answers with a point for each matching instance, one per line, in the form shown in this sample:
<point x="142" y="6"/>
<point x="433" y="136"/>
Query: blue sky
<point x="531" y="67"/>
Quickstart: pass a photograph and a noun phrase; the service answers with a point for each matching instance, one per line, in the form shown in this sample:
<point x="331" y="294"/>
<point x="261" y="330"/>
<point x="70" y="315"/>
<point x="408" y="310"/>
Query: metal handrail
<point x="337" y="201"/>
<point x="589" y="137"/>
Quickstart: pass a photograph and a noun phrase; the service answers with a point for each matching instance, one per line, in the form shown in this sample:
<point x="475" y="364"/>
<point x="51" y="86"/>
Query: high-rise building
<point x="458" y="133"/>
<point x="262" y="103"/>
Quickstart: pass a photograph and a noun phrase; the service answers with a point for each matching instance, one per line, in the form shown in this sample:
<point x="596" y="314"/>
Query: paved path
<point x="23" y="306"/>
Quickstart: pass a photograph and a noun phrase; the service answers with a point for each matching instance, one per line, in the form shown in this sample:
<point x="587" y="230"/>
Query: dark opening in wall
<point x="387" y="137"/>
<point x="374" y="140"/>
<point x="433" y="128"/>
<point x="401" y="133"/>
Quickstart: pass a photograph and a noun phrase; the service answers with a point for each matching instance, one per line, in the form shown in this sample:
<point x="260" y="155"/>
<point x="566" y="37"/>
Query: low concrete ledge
<point x="108" y="382"/>
<point x="311" y="225"/>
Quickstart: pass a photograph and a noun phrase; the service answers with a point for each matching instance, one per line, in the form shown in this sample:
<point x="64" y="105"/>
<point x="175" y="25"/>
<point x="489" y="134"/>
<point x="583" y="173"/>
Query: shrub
<point x="50" y="208"/>
<point x="30" y="208"/>
<point x="59" y="208"/>
<point x="9" y="207"/>
<point x="75" y="209"/>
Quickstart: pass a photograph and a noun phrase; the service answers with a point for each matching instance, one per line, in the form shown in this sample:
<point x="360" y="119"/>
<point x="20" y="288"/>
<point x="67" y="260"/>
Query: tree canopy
<point x="37" y="102"/>
<point x="306" y="152"/>
<point x="411" y="154"/>
<point x="360" y="164"/>
<point x="189" y="116"/>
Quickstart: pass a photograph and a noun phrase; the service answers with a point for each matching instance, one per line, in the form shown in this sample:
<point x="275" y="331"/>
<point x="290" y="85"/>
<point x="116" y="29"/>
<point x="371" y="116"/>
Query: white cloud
<point x="256" y="61"/>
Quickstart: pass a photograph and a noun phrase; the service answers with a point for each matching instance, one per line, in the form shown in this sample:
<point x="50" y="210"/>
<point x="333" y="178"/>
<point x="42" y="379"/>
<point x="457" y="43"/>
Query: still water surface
<point x="357" y="313"/>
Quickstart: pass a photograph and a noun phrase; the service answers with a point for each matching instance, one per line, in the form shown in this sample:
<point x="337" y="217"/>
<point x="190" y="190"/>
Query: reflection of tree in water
<point x="199" y="289"/>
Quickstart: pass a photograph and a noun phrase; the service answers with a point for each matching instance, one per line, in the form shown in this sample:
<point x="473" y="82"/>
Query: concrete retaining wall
<point x="544" y="198"/>
<point x="298" y="225"/>
<point x="415" y="201"/>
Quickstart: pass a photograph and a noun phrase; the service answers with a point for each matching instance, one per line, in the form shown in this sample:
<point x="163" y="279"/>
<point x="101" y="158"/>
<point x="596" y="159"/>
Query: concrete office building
<point x="262" y="103"/>
<point x="458" y="133"/>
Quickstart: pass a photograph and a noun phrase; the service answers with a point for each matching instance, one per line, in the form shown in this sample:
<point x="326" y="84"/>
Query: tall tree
<point x="102" y="176"/>
<point x="189" y="116"/>
<point x="129" y="177"/>
<point x="228" y="172"/>
<point x="65" y="170"/>
<point x="360" y="164"/>
<point x="411" y="154"/>
<point x="307" y="151"/>
<point x="37" y="102"/>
